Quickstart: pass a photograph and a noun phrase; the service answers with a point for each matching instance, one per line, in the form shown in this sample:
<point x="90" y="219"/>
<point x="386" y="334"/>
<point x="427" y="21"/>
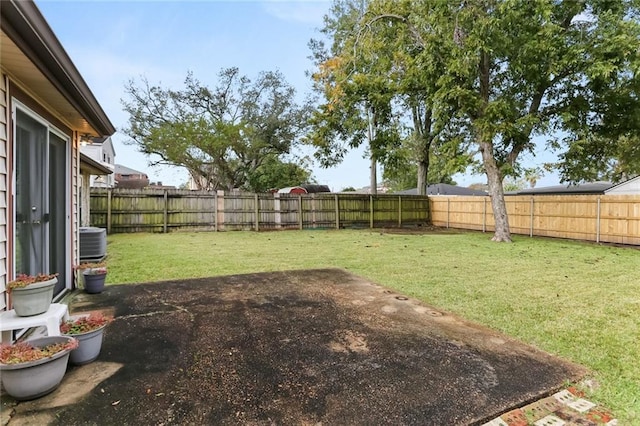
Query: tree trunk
<point x="494" y="179"/>
<point x="423" y="169"/>
<point x="373" y="182"/>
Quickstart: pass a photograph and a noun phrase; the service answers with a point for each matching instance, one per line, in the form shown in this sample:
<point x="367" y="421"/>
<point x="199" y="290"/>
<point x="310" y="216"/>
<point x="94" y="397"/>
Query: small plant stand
<point x="51" y="319"/>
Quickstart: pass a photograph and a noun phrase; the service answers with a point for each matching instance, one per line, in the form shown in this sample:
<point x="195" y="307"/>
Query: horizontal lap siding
<point x="4" y="132"/>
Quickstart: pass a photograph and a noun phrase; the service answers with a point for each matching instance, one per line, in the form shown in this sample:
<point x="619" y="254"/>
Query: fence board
<point x="153" y="210"/>
<point x="601" y="218"/>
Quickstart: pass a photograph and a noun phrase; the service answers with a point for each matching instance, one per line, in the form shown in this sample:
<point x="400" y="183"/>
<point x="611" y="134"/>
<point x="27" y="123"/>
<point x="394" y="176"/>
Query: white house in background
<point x="101" y="150"/>
<point x="632" y="186"/>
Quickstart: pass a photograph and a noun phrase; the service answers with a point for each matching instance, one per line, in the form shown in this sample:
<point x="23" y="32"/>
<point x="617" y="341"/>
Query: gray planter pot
<point x="94" y="283"/>
<point x="33" y="299"/>
<point x="33" y="379"/>
<point x="89" y="346"/>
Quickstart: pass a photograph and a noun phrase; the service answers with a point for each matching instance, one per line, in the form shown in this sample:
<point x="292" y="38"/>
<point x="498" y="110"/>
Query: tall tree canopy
<point x="357" y="107"/>
<point x="231" y="136"/>
<point x="515" y="69"/>
<point x="378" y="91"/>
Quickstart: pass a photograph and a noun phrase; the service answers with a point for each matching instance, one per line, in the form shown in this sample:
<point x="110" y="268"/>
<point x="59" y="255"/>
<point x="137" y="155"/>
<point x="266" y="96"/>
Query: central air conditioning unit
<point x="93" y="244"/>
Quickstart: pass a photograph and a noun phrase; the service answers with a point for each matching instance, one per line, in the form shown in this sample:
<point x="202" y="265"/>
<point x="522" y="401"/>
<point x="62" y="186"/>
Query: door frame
<point x="15" y="106"/>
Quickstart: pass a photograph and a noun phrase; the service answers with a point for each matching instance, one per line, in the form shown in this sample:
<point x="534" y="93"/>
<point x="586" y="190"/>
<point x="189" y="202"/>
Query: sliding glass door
<point x="41" y="218"/>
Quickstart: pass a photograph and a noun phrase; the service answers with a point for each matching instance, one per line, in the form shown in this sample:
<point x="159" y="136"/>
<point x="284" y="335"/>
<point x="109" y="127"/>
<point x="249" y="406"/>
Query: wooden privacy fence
<point x="157" y="210"/>
<point x="600" y="218"/>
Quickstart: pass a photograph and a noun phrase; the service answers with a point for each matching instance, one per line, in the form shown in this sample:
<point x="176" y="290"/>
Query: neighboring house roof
<point x="631" y="186"/>
<point x="306" y="188"/>
<point x="104" y="141"/>
<point x="25" y="33"/>
<point x="92" y="166"/>
<point x="444" y="189"/>
<point x="583" y="188"/>
<point x="123" y="170"/>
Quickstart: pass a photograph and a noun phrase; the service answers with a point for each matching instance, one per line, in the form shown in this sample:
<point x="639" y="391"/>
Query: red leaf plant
<point x="85" y="324"/>
<point x="23" y="280"/>
<point x="25" y="351"/>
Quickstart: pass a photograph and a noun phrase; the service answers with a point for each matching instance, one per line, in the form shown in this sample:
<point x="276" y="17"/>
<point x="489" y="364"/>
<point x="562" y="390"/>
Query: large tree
<point x="224" y="136"/>
<point x="357" y="107"/>
<point x="514" y="69"/>
<point x="378" y="90"/>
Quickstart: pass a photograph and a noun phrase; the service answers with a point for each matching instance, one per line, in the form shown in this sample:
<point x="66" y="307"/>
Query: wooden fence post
<point x="277" y="216"/>
<point x="215" y="211"/>
<point x="371" y="211"/>
<point x="219" y="210"/>
<point x="166" y="211"/>
<point x="337" y="201"/>
<point x="448" y="201"/>
<point x="300" y="218"/>
<point x="531" y="219"/>
<point x="484" y="214"/>
<point x="399" y="211"/>
<point x="257" y="211"/>
<point x="109" y="211"/>
<point x="598" y="221"/>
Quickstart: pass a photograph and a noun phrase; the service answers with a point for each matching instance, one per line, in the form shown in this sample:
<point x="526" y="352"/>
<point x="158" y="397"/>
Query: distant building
<point x="632" y="186"/>
<point x="101" y="150"/>
<point x="130" y="178"/>
<point x="304" y="189"/>
<point x="582" y="188"/>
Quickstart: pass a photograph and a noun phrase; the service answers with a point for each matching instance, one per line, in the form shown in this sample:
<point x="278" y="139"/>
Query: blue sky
<point x="111" y="42"/>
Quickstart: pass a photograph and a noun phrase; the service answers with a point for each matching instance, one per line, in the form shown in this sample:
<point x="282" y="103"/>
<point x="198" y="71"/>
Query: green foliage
<point x="221" y="135"/>
<point x="374" y="83"/>
<point x="275" y="174"/>
<point x="508" y="70"/>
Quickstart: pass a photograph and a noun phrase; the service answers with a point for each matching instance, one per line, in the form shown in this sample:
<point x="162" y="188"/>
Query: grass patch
<point x="577" y="300"/>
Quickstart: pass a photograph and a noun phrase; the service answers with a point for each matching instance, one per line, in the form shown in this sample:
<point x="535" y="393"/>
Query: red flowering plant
<point x="25" y="351"/>
<point x="92" y="268"/>
<point x="85" y="324"/>
<point x="23" y="280"/>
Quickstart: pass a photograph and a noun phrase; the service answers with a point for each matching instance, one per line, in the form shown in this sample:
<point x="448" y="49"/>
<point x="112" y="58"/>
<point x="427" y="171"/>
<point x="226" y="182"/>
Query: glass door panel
<point x="31" y="165"/>
<point x="41" y="215"/>
<point x="57" y="217"/>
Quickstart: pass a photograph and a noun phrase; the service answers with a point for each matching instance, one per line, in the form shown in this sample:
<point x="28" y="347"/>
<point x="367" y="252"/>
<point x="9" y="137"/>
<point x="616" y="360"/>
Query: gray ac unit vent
<point x="93" y="244"/>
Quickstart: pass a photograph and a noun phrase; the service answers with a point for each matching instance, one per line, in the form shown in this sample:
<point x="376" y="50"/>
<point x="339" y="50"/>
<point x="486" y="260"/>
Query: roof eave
<point x="92" y="166"/>
<point x="24" y="23"/>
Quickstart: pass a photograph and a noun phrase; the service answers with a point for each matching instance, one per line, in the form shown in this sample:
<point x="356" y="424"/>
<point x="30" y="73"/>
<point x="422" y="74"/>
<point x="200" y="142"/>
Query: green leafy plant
<point x="23" y="280"/>
<point x="85" y="324"/>
<point x="25" y="351"/>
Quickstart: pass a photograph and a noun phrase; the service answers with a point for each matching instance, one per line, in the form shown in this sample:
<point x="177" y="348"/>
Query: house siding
<point x="75" y="205"/>
<point x="4" y="132"/>
<point x="630" y="187"/>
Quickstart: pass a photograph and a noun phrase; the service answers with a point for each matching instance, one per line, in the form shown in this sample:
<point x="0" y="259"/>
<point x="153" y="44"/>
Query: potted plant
<point x="35" y="368"/>
<point x="94" y="276"/>
<point x="32" y="294"/>
<point x="89" y="330"/>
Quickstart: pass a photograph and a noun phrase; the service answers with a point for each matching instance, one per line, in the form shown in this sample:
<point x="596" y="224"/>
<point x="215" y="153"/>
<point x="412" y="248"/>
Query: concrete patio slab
<point x="299" y="347"/>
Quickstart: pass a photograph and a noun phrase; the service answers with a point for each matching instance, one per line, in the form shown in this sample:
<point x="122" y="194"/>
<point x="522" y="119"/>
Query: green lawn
<point x="577" y="300"/>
